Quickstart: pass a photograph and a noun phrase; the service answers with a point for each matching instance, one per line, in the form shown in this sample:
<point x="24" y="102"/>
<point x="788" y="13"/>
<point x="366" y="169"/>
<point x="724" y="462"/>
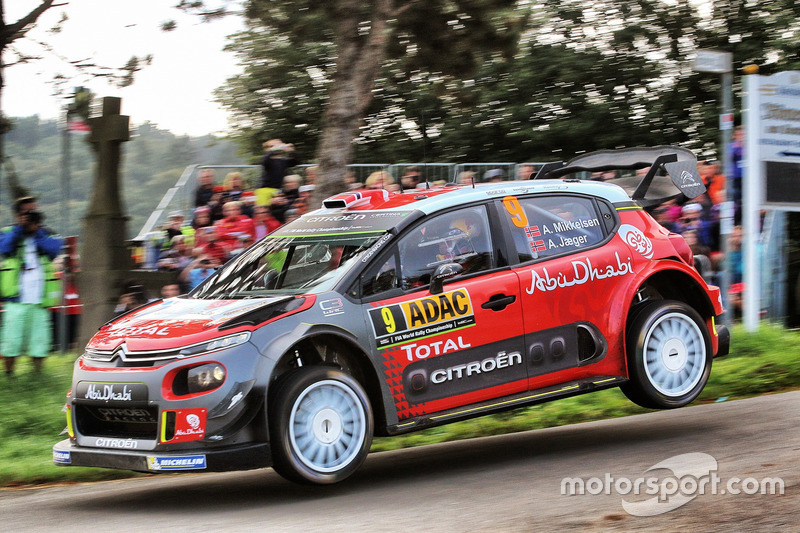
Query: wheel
<point x="321" y="425"/>
<point x="669" y="355"/>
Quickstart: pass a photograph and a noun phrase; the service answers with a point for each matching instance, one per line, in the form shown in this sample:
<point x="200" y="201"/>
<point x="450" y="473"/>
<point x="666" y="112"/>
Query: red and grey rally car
<point x="387" y="313"/>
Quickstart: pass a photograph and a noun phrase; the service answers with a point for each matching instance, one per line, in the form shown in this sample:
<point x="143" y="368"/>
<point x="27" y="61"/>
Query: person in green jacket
<point x="28" y="285"/>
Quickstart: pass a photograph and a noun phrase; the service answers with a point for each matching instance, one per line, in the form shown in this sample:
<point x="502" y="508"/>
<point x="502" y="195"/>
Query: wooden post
<point x="105" y="259"/>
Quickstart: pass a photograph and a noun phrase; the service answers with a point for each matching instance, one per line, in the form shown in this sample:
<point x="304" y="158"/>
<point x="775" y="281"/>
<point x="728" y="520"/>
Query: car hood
<point x="173" y="323"/>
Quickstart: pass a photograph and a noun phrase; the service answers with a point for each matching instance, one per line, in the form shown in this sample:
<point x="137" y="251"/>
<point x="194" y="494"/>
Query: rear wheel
<point x="669" y="355"/>
<point x="321" y="425"/>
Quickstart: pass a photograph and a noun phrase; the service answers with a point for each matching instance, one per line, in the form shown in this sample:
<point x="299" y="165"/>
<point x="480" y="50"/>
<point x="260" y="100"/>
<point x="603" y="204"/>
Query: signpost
<point x="772" y="167"/>
<point x="721" y="63"/>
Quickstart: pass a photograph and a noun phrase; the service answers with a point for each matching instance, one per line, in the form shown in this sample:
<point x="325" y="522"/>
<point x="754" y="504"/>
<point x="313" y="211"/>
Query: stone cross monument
<point x="105" y="259"/>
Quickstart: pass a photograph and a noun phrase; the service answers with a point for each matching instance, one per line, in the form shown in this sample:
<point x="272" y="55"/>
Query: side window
<point x="460" y="236"/>
<point x="544" y="226"/>
<point x="381" y="277"/>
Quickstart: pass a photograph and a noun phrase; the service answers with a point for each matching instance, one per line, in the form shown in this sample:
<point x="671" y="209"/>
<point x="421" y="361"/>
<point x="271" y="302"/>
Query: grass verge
<point x="31" y="417"/>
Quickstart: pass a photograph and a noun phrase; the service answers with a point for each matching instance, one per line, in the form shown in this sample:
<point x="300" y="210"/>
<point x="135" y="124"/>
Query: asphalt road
<point x="505" y="483"/>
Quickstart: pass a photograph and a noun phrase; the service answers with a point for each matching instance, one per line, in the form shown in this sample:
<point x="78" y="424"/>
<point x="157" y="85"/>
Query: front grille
<point x="117" y="421"/>
<point x="125" y="358"/>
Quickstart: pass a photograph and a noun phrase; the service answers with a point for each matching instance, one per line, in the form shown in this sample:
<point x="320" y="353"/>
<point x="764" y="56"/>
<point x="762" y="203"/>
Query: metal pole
<point x="726" y="212"/>
<point x="751" y="202"/>
<point x="65" y="179"/>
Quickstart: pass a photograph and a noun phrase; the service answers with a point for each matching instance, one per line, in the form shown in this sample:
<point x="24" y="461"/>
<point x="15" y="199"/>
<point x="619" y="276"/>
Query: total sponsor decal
<point x="186" y="462"/>
<point x="583" y="271"/>
<point x="422" y="351"/>
<point x="412" y="320"/>
<point x="636" y="239"/>
<point x="62" y="457"/>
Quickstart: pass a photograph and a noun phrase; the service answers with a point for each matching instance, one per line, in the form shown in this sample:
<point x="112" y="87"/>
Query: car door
<point x="568" y="268"/>
<point x="460" y="346"/>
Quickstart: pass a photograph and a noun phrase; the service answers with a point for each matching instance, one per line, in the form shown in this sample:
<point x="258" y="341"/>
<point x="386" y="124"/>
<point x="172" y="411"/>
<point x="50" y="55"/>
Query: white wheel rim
<point x="327" y="426"/>
<point x="675" y="354"/>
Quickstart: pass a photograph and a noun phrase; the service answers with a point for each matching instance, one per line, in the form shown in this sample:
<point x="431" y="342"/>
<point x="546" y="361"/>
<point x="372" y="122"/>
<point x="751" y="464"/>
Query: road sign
<point x="713" y="61"/>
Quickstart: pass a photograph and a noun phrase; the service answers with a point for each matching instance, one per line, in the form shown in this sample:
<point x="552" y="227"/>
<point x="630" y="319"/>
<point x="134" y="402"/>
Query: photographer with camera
<point x="28" y="285"/>
<point x="277" y="159"/>
<point x="197" y="271"/>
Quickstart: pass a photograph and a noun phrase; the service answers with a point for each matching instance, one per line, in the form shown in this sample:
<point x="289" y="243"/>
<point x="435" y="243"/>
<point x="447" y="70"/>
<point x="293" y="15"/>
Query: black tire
<point x="320" y="425"/>
<point x="669" y="355"/>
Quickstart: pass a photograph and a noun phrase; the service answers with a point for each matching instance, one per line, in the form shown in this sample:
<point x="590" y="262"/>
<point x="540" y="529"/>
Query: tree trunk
<point x="359" y="58"/>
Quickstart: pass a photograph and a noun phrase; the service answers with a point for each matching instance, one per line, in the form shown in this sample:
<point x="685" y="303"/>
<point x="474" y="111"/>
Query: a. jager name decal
<point x="415" y="319"/>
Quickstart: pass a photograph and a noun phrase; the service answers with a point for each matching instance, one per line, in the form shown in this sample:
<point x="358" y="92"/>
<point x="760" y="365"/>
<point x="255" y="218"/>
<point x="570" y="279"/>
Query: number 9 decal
<point x="388" y="319"/>
<point x="518" y="216"/>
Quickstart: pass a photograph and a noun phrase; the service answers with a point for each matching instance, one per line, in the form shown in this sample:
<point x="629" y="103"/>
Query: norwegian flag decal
<point x="532" y="231"/>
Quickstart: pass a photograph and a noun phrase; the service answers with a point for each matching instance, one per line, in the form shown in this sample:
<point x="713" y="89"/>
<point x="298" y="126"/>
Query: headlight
<point x="216" y="344"/>
<point x="205" y="377"/>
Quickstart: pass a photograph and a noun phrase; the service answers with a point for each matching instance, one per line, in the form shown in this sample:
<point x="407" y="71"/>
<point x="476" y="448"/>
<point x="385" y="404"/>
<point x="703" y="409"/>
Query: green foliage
<point x="760" y="363"/>
<point x="30" y="407"/>
<point x="289" y="57"/>
<point x="152" y="162"/>
<point x="488" y="81"/>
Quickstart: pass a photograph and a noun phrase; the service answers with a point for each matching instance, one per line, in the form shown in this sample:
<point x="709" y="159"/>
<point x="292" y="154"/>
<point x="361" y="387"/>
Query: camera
<point x="35" y="217"/>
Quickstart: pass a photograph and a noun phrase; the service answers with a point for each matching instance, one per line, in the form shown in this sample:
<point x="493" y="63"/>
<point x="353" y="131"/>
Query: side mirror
<point x="443" y="272"/>
<point x="270" y="279"/>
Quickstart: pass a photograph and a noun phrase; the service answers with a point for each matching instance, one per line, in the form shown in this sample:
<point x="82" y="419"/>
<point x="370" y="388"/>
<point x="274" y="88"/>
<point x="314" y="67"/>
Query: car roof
<point x="441" y="198"/>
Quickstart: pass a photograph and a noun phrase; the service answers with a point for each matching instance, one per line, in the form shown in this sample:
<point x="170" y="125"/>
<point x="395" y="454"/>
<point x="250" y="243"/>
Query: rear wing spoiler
<point x="679" y="165"/>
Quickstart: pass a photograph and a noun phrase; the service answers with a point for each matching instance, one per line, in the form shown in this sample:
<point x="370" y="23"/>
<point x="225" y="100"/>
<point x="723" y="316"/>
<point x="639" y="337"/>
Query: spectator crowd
<point x="229" y="215"/>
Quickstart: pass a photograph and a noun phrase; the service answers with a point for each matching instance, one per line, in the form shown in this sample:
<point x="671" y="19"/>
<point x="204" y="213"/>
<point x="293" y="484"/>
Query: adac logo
<point x="418" y="318"/>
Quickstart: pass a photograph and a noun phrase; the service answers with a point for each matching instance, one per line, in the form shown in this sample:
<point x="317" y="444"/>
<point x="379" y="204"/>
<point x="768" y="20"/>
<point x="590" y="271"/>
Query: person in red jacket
<point x="234" y="227"/>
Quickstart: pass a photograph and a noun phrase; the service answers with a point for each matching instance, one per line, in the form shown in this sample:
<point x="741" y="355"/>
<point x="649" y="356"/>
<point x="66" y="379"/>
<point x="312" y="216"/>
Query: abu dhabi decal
<point x="636" y="239"/>
<point x="412" y="320"/>
<point x="111" y="392"/>
<point x="583" y="271"/>
<point x="185" y="462"/>
<point x="189" y="424"/>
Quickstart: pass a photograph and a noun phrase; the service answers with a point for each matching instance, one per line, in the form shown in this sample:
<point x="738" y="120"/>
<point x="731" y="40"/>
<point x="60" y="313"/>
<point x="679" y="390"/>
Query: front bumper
<point x="243" y="457"/>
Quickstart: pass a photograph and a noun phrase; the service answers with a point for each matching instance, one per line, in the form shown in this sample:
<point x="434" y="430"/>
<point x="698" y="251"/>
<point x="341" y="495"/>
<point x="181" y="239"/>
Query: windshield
<point x="288" y="265"/>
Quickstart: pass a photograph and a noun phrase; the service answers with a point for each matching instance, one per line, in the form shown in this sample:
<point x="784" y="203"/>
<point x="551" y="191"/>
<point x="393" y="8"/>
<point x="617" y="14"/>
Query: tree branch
<point x="14" y="31"/>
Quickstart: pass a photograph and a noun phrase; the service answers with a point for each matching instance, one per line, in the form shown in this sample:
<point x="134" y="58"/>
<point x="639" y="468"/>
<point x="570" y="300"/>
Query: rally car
<point x="381" y="314"/>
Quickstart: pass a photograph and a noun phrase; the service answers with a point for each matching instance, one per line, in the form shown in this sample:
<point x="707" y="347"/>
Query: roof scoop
<point x="347" y="200"/>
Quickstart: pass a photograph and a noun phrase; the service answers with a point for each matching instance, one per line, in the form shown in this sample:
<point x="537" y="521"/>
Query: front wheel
<point x="669" y="355"/>
<point x="321" y="425"/>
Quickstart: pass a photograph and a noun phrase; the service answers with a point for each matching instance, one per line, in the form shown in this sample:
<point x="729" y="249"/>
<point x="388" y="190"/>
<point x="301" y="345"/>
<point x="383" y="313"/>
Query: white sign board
<point x="772" y="134"/>
<point x="779" y="117"/>
<point x="713" y="61"/>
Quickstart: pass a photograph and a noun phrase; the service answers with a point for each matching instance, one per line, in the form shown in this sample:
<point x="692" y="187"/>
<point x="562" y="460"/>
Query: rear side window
<point x="546" y="226"/>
